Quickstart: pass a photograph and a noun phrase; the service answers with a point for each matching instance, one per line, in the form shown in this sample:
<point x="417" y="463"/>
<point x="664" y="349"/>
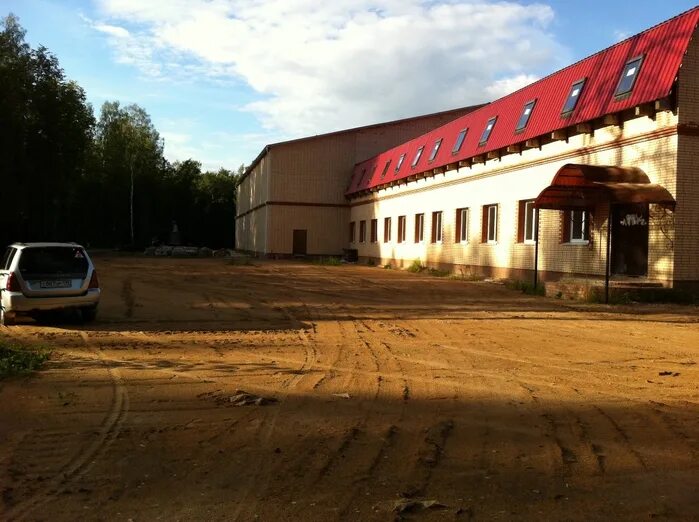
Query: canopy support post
<point x="536" y="249"/>
<point x="608" y="260"/>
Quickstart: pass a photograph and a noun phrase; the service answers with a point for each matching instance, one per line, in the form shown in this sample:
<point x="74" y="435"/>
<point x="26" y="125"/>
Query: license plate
<point x="60" y="283"/>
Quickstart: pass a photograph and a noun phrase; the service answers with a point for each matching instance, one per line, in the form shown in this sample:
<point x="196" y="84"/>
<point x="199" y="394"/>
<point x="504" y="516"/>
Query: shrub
<point x="525" y="287"/>
<point x="19" y="360"/>
<point x="328" y="261"/>
<point x="416" y="267"/>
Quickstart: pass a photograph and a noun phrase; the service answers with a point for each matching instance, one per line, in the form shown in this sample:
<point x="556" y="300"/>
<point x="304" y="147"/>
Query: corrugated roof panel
<point x="662" y="48"/>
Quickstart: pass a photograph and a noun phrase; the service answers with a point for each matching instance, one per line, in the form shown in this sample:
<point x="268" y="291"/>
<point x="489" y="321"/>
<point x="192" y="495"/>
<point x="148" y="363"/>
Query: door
<point x="299" y="248"/>
<point x="630" y="240"/>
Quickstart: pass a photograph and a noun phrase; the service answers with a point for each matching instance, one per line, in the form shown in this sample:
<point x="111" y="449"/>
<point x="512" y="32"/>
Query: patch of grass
<point x="525" y="287"/>
<point x="328" y="261"/>
<point x="16" y="359"/>
<point x="416" y="267"/>
<point x="387" y="266"/>
<point x="464" y="275"/>
<point x="437" y="273"/>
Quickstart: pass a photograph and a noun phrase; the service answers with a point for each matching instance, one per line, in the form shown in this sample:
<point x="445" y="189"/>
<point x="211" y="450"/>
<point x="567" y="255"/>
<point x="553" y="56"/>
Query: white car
<point x="36" y="278"/>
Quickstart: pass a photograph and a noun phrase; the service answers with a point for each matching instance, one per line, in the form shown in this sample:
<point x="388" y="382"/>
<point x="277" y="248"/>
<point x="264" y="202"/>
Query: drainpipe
<point x="536" y="249"/>
<point x="609" y="249"/>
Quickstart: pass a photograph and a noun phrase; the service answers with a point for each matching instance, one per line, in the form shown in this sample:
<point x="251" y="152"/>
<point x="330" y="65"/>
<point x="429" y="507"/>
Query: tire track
<point x="86" y="456"/>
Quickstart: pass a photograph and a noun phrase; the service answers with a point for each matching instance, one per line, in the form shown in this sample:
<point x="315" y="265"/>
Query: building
<point x="592" y="171"/>
<point x="291" y="199"/>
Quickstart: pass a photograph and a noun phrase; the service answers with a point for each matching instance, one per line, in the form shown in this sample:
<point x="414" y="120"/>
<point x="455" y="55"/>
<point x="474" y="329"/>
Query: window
<point x="573" y="97"/>
<point x="490" y="224"/>
<point x="374" y="237"/>
<point x="462" y="225"/>
<point x="488" y="129"/>
<point x="526" y="114"/>
<point x="435" y="150"/>
<point x="387" y="230"/>
<point x="459" y="141"/>
<point x="401" y="229"/>
<point x="7" y="258"/>
<point x="419" y="228"/>
<point x="417" y="156"/>
<point x="628" y="76"/>
<point x="576" y="226"/>
<point x="400" y="162"/>
<point x="362" y="231"/>
<point x="361" y="178"/>
<point x="436" y="227"/>
<point x="352" y="229"/>
<point x="526" y="225"/>
<point x="385" y="169"/>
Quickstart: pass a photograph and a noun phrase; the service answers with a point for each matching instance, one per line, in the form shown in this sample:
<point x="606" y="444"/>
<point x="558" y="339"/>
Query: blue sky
<point x="222" y="78"/>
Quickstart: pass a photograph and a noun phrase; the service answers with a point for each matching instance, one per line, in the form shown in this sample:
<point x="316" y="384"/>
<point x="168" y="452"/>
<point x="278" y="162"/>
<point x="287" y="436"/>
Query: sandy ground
<point x="389" y="387"/>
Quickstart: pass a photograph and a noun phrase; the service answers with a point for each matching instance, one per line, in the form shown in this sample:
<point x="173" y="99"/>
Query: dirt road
<point x="389" y="387"/>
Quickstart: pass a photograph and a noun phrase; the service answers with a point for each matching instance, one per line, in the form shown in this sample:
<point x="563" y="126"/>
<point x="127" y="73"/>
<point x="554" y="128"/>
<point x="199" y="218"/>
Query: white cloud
<point x="112" y="30"/>
<point x="318" y="66"/>
<point x="505" y="86"/>
<point x="620" y="35"/>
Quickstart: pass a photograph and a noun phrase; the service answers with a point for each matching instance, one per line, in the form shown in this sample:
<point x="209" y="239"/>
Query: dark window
<point x="488" y="129"/>
<point x="35" y="263"/>
<point x="401" y="229"/>
<point x="436" y="227"/>
<point x="579" y="226"/>
<point x="419" y="228"/>
<point x="417" y="156"/>
<point x="459" y="141"/>
<point x="435" y="150"/>
<point x="352" y="228"/>
<point x="385" y="169"/>
<point x="526" y="114"/>
<point x="387" y="230"/>
<point x="400" y="162"/>
<point x="374" y="230"/>
<point x="7" y="258"/>
<point x="362" y="231"/>
<point x="573" y="96"/>
<point x="361" y="178"/>
<point x="628" y="76"/>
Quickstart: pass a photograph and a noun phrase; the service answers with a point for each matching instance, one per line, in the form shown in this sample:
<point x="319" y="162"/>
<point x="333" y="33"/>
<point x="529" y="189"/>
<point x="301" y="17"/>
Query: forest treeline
<point x="67" y="175"/>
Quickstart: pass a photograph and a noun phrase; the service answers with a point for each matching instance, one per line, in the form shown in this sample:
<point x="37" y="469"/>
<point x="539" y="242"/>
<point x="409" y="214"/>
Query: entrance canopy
<point x="577" y="187"/>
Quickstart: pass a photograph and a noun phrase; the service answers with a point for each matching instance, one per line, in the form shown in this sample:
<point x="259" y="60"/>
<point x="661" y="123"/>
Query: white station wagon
<point x="36" y="278"/>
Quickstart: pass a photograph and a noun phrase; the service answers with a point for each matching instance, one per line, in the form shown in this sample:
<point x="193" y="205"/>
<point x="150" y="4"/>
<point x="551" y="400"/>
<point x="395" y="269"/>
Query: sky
<point x="223" y="78"/>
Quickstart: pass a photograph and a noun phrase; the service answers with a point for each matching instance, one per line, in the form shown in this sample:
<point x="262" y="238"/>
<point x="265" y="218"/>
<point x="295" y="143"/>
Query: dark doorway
<point x="299" y="248"/>
<point x="630" y="240"/>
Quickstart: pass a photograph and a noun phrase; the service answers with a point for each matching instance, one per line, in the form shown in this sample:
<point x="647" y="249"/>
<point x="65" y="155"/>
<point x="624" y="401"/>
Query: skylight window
<point x="526" y="113"/>
<point x="459" y="141"/>
<point x="417" y="156"/>
<point x="385" y="169"/>
<point x="573" y="97"/>
<point x="400" y="162"/>
<point x="361" y="178"/>
<point x="628" y="76"/>
<point x="435" y="150"/>
<point x="488" y="129"/>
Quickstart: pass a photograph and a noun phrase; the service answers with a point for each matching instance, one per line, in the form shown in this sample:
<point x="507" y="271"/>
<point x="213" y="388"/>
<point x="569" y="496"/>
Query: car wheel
<point x="89" y="314"/>
<point x="5" y="318"/>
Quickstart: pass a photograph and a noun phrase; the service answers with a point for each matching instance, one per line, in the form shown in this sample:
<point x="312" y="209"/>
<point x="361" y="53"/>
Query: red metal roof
<point x="662" y="48"/>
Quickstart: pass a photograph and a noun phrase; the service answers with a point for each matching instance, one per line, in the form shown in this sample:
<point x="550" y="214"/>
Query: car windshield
<point x="53" y="261"/>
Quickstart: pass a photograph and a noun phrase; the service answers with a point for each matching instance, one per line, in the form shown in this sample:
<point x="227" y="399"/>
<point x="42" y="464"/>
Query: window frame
<point x="418" y="155"/>
<point x="487" y="131"/>
<point x="524" y="221"/>
<point x="435" y="150"/>
<point x="460" y="139"/>
<point x="353" y="231"/>
<point x="585" y="239"/>
<point x="399" y="164"/>
<point x="420" y="228"/>
<point x="639" y="59"/>
<point x="387" y="230"/>
<point x="487" y="239"/>
<point x="521" y="127"/>
<point x="362" y="231"/>
<point x="402" y="227"/>
<point x="462" y="222"/>
<point x="437" y="227"/>
<point x="567" y="112"/>
<point x="385" y="169"/>
<point x="374" y="231"/>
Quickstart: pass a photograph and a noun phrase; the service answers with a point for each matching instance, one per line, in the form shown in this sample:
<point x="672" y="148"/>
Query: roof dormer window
<point x="526" y="114"/>
<point x="573" y="97"/>
<point x="459" y="141"/>
<point x="400" y="162"/>
<point x="417" y="156"/>
<point x="435" y="149"/>
<point x="487" y="131"/>
<point x="628" y="76"/>
<point x="385" y="169"/>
